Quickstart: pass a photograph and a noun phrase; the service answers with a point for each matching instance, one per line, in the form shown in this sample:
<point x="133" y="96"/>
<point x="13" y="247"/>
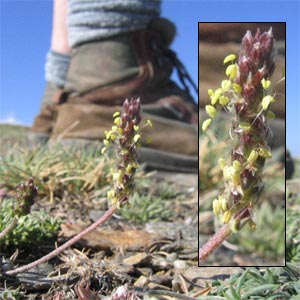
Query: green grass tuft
<point x="150" y="203"/>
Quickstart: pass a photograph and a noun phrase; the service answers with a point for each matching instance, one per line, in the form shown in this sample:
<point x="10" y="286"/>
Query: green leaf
<point x="261" y="289"/>
<point x="234" y="294"/>
<point x="241" y="282"/>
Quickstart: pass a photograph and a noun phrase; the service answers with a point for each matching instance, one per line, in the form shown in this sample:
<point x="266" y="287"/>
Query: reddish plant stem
<point x="66" y="245"/>
<point x="214" y="242"/>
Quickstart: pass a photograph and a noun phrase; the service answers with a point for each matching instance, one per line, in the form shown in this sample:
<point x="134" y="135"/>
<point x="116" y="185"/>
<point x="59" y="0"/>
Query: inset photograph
<point x="242" y="144"/>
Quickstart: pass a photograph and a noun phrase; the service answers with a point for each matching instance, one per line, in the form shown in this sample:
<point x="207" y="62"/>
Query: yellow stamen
<point x="228" y="58"/>
<point x="210" y="110"/>
<point x="205" y="124"/>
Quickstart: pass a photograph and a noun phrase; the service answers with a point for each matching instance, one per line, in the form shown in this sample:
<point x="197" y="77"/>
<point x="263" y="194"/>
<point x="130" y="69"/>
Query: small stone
<point x="138" y="259"/>
<point x="161" y="263"/>
<point x="141" y="282"/>
<point x="179" y="264"/>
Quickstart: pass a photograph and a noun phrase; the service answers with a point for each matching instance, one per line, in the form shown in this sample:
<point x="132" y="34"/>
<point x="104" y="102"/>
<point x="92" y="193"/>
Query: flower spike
<point x="245" y="92"/>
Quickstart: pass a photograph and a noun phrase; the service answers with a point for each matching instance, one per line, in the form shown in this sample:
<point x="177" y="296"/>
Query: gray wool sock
<point x="56" y="68"/>
<point x="90" y="20"/>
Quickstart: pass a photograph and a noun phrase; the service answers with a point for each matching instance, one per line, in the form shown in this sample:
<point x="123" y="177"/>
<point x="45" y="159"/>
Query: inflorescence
<point x="246" y="94"/>
<point x="126" y="134"/>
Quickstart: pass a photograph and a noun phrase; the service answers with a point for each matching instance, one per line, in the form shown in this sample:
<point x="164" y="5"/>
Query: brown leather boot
<point x="44" y="122"/>
<point x="102" y="74"/>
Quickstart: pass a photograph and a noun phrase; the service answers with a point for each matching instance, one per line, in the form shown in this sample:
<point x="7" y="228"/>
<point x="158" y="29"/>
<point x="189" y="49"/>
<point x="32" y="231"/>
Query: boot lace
<point x="183" y="75"/>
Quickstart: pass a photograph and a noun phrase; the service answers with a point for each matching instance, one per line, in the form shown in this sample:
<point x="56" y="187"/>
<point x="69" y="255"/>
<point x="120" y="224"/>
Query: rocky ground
<point x="155" y="256"/>
<point x="149" y="246"/>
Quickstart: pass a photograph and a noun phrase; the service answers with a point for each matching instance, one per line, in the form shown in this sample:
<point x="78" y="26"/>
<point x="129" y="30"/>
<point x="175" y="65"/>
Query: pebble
<point x="179" y="264"/>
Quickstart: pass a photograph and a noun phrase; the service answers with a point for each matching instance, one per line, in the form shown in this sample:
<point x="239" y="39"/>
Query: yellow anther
<point x="128" y="168"/>
<point x="136" y="128"/>
<point x="135" y="165"/>
<point x="252" y="157"/>
<point x="264" y="153"/>
<point x="216" y="96"/>
<point x="110" y="194"/>
<point x="210" y="92"/>
<point x="103" y="150"/>
<point x="236" y="165"/>
<point x="114" y="200"/>
<point x="228" y="172"/>
<point x="117" y="176"/>
<point x="116" y="114"/>
<point x="228" y="58"/>
<point x="136" y="138"/>
<point x="245" y="126"/>
<point x="231" y="71"/>
<point x="225" y="84"/>
<point x="236" y="179"/>
<point x="108" y="134"/>
<point x="223" y="204"/>
<point x="124" y="152"/>
<point x="265" y="83"/>
<point x="216" y="207"/>
<point x="114" y="128"/>
<point x="231" y="174"/>
<point x="222" y="163"/>
<point x="226" y="216"/>
<point x="224" y="100"/>
<point x="118" y="121"/>
<point x="210" y="110"/>
<point x="205" y="124"/>
<point x="106" y="143"/>
<point x="266" y="102"/>
<point x="237" y="88"/>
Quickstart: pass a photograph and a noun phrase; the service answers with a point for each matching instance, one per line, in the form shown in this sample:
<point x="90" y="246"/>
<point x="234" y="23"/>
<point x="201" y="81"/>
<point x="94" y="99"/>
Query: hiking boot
<point x="102" y="74"/>
<point x="44" y="122"/>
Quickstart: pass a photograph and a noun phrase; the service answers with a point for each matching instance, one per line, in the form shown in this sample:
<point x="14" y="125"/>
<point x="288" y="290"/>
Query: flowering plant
<point x="126" y="134"/>
<point x="25" y="199"/>
<point x="246" y="94"/>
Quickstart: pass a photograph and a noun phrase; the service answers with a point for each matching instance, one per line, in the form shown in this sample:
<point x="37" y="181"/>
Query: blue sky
<point x="25" y="31"/>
